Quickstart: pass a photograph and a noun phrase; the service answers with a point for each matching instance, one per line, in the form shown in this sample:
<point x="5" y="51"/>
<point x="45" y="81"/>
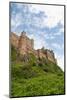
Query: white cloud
<point x="54" y="13"/>
<point x="47" y="36"/>
<point x="57" y="34"/>
<point x="61" y="31"/>
<point x="16" y="20"/>
<point x="38" y="41"/>
<point x="60" y="61"/>
<point x="57" y="46"/>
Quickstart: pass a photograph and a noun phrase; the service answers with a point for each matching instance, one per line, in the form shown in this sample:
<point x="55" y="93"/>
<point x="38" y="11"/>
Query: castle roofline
<point x="23" y="33"/>
<point x="14" y="34"/>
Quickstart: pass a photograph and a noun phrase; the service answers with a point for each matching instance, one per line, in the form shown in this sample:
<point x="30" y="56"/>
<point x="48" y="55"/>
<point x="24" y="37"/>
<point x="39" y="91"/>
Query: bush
<point x="13" y="53"/>
<point x="24" y="71"/>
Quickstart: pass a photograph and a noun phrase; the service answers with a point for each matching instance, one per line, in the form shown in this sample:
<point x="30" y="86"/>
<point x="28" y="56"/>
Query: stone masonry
<point x="26" y="45"/>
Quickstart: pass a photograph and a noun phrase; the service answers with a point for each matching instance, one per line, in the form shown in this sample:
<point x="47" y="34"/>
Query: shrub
<point x="24" y="71"/>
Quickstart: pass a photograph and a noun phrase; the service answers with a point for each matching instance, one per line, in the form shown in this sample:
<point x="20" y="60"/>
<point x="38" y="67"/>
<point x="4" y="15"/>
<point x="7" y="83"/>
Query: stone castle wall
<point x="26" y="45"/>
<point x="14" y="40"/>
<point x="50" y="55"/>
<point x="47" y="54"/>
<point x="39" y="54"/>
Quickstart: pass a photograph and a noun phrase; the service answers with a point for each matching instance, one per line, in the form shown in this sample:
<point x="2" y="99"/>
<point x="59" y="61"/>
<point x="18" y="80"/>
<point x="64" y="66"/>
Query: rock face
<point x="25" y="45"/>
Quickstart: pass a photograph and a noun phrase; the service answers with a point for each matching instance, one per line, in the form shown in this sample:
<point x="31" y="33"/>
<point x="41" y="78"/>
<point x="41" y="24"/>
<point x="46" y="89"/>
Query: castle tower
<point x="23" y="34"/>
<point x="25" y="44"/>
<point x="22" y="43"/>
<point x="32" y="43"/>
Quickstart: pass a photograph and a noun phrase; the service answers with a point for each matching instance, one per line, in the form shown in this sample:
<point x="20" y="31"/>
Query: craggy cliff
<point x="25" y="45"/>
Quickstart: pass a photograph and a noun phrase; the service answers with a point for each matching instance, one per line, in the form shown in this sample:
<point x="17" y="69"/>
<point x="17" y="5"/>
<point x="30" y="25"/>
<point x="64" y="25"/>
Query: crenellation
<point x="50" y="55"/>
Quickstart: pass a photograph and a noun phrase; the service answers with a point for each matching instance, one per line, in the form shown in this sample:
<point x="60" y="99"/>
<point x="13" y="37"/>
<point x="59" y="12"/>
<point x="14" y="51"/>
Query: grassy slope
<point x="35" y="78"/>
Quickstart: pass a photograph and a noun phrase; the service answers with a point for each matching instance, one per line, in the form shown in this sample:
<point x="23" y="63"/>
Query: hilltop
<point x="34" y="75"/>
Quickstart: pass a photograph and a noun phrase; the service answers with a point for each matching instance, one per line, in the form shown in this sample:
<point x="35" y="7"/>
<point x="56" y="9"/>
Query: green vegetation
<point x="35" y="77"/>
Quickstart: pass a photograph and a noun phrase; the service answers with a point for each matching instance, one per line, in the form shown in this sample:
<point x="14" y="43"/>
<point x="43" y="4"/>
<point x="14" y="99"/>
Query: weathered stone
<point x="26" y="45"/>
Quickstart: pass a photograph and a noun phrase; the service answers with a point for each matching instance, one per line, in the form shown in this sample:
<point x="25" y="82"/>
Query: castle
<point x="26" y="45"/>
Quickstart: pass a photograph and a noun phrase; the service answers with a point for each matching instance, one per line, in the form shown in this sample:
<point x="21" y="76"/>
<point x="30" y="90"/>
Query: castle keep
<point x="26" y="45"/>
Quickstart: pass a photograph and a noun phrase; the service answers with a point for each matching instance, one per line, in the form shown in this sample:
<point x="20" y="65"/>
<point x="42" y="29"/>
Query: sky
<point x="43" y="23"/>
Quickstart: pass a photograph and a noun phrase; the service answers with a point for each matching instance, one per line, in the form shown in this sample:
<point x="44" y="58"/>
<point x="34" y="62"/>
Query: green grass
<point x="47" y="84"/>
<point x="35" y="77"/>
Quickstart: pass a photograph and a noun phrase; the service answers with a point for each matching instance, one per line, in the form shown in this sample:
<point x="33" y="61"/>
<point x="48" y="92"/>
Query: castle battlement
<point x="26" y="45"/>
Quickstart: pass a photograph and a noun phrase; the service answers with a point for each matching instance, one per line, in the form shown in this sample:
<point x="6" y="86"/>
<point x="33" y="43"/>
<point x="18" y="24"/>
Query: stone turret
<point x="22" y="43"/>
<point x="23" y="34"/>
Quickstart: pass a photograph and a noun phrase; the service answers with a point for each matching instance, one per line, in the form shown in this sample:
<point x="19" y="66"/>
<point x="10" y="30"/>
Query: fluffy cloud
<point x="57" y="46"/>
<point x="60" y="61"/>
<point x="54" y="13"/>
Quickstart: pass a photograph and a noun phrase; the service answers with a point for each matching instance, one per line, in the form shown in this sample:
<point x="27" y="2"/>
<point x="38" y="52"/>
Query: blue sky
<point x="43" y="23"/>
